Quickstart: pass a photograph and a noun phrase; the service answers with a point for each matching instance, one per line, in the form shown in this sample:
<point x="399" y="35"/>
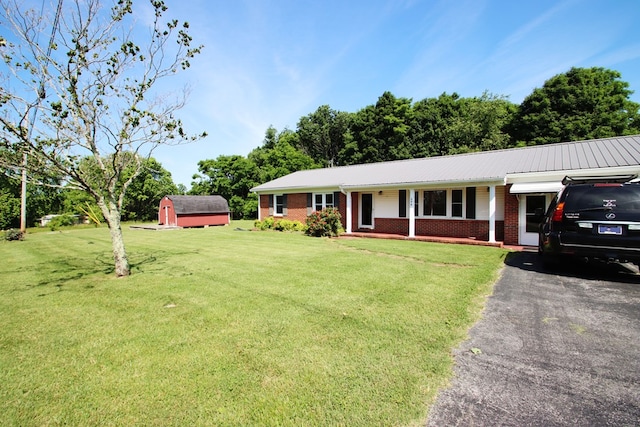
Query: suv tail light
<point x="557" y="213"/>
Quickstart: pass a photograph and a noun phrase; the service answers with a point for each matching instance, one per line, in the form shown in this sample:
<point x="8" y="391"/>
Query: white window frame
<point x="275" y="205"/>
<point x="419" y="203"/>
<point x="447" y="197"/>
<point x="462" y="202"/>
<point x="323" y="203"/>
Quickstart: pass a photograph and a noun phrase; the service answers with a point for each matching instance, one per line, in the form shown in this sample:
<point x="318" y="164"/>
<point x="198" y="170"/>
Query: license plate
<point x="610" y="229"/>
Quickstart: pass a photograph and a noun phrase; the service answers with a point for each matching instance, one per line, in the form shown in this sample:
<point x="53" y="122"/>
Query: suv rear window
<point x="622" y="198"/>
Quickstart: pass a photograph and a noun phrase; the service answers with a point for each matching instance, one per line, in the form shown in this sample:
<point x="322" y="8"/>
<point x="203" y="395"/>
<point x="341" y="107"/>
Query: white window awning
<point x="536" y="187"/>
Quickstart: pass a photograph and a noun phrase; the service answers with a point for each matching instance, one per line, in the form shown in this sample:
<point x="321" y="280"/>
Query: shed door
<point x="168" y="215"/>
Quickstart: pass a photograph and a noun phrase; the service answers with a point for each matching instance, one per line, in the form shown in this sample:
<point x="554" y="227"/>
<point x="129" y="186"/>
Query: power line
<point x="41" y="96"/>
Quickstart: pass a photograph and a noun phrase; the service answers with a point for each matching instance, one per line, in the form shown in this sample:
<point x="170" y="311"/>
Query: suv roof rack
<point x="617" y="179"/>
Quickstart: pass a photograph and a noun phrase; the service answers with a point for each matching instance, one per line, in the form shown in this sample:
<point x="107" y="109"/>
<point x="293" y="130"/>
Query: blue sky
<point x="271" y="62"/>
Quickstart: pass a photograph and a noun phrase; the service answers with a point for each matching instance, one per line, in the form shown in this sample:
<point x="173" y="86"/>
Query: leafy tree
<point x="81" y="203"/>
<point x="9" y="203"/>
<point x="433" y="117"/>
<point x="583" y="103"/>
<point x="396" y="129"/>
<point x="9" y="210"/>
<point x="233" y="176"/>
<point x="92" y="87"/>
<point x="450" y="124"/>
<point x="280" y="158"/>
<point x="143" y="196"/>
<point x="146" y="190"/>
<point x="229" y="176"/>
<point x="321" y="135"/>
<point x="42" y="200"/>
<point x="379" y="132"/>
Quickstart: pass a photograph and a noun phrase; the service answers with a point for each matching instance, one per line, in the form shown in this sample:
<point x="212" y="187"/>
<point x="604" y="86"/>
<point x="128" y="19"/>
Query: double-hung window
<point x="279" y="205"/>
<point x="435" y="203"/>
<point x="322" y="201"/>
<point x="456" y="203"/>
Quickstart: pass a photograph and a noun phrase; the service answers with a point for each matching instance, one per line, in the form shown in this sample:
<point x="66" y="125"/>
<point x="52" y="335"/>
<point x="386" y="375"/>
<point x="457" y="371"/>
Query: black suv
<point x="593" y="218"/>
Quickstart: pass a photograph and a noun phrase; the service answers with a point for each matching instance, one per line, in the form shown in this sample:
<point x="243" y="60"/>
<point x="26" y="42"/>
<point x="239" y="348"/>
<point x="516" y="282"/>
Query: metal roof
<point x="484" y="166"/>
<point x="199" y="204"/>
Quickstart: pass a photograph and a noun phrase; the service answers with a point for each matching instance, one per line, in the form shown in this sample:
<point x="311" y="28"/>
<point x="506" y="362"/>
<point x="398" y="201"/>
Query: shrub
<point x="288" y="225"/>
<point x="281" y="225"/>
<point x="324" y="223"/>
<point x="266" y="224"/>
<point x="13" y="234"/>
<point x="62" y="221"/>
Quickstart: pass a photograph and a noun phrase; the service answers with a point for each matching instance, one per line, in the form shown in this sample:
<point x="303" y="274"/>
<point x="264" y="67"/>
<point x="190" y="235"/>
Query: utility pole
<point x="23" y="198"/>
<point x="41" y="96"/>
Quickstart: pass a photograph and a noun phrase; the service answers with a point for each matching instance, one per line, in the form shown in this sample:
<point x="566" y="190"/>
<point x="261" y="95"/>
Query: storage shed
<point x="193" y="211"/>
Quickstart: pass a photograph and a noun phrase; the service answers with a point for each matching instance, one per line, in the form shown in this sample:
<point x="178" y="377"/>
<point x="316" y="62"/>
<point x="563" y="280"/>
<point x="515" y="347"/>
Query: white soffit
<point x="536" y="187"/>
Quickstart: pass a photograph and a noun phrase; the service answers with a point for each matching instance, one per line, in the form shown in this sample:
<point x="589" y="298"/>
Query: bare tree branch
<point x="94" y="90"/>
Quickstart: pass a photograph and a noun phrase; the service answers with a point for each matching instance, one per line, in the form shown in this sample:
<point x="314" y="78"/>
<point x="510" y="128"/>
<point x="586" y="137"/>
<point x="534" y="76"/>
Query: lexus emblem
<point x="610" y="215"/>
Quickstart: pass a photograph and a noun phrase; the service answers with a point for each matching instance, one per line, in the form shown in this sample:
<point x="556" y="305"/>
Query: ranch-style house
<point x="493" y="196"/>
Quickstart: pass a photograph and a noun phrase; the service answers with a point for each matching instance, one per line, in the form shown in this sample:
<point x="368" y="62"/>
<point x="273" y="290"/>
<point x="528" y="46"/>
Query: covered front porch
<point x="363" y="216"/>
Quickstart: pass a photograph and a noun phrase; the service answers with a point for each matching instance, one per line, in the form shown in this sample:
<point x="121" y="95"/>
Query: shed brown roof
<point x="199" y="204"/>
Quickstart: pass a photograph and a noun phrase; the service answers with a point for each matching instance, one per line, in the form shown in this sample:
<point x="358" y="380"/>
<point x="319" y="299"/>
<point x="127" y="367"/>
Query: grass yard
<point x="232" y="328"/>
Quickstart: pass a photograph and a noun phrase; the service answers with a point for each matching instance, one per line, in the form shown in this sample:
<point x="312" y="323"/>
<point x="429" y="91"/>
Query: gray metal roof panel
<point x="199" y="204"/>
<point x="469" y="167"/>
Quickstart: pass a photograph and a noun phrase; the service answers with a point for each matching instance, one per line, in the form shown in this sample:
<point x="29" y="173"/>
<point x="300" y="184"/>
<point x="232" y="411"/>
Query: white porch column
<point x="348" y="220"/>
<point x="492" y="213"/>
<point x="412" y="213"/>
<point x="259" y="216"/>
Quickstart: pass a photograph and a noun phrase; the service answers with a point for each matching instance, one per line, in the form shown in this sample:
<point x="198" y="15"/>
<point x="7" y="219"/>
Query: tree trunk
<point x="112" y="216"/>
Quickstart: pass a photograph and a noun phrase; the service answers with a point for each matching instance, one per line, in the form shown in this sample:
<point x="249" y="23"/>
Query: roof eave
<point x="377" y="186"/>
<point x="558" y="175"/>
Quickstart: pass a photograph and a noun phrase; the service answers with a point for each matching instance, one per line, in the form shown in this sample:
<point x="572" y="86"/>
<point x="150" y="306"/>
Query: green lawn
<point x="232" y="328"/>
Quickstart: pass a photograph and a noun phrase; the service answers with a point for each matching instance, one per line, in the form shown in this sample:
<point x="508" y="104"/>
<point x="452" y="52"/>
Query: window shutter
<point x="309" y="203"/>
<point x="270" y="204"/>
<point x="402" y="203"/>
<point x="336" y="199"/>
<point x="284" y="205"/>
<point x="471" y="202"/>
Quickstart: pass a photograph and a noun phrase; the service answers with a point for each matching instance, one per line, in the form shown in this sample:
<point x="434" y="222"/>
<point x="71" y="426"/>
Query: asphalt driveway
<point x="557" y="348"/>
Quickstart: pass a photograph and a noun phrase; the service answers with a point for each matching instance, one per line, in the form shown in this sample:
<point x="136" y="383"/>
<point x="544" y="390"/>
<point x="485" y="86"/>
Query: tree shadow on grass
<point x="69" y="270"/>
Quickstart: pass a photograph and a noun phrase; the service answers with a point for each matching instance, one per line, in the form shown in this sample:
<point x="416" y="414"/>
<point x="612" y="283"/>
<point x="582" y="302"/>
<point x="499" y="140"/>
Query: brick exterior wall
<point x="297" y="207"/>
<point x="506" y="231"/>
<point x="464" y="228"/>
<point x="389" y="225"/>
<point x="511" y="216"/>
<point x="263" y="205"/>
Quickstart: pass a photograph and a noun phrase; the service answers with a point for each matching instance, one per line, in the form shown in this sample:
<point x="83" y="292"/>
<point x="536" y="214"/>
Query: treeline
<point x="52" y="197"/>
<point x="583" y="103"/>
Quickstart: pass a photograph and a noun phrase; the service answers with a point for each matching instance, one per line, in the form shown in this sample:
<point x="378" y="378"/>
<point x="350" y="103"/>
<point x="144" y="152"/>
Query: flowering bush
<point x="324" y="223"/>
